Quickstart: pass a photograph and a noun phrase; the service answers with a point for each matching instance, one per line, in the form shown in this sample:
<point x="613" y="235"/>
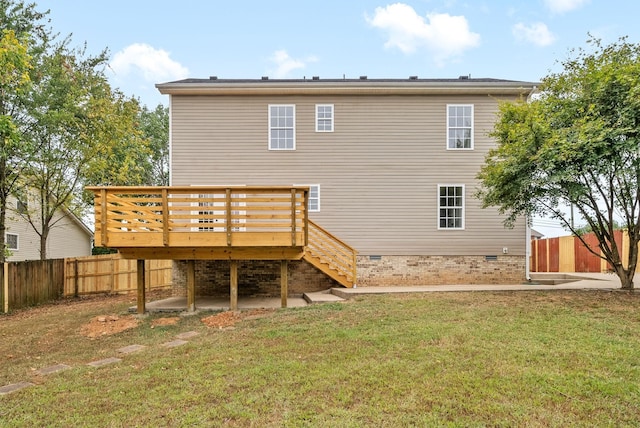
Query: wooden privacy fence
<point x="110" y="273"/>
<point x="33" y="282"/>
<point x="569" y="254"/>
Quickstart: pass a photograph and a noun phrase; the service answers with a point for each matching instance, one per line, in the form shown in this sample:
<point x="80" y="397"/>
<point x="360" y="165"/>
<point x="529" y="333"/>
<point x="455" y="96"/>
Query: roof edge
<point x="362" y="86"/>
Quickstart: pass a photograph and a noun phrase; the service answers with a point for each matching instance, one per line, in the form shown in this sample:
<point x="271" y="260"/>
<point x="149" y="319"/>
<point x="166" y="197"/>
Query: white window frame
<point x="455" y="127"/>
<point x="284" y="128"/>
<point x="317" y="198"/>
<point x="213" y="208"/>
<point x="447" y="207"/>
<point x="329" y="119"/>
<point x="317" y="186"/>
<point x="6" y="241"/>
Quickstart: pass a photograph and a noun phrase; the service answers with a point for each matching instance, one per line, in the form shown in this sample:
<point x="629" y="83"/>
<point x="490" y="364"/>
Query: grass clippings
<point x="534" y="359"/>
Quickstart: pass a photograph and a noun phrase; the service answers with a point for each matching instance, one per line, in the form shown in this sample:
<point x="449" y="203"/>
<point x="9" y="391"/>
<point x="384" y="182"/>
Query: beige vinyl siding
<point x="379" y="170"/>
<point x="66" y="239"/>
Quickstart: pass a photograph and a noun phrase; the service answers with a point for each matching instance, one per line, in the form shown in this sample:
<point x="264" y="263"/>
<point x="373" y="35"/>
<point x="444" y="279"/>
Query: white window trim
<point x="473" y="120"/>
<point x="333" y="113"/>
<point x="310" y="186"/>
<point x="17" y="241"/>
<point x="464" y="207"/>
<point x="213" y="226"/>
<point x="269" y="127"/>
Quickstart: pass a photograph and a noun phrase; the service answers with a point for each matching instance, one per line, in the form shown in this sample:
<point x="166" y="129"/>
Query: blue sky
<point x="155" y="41"/>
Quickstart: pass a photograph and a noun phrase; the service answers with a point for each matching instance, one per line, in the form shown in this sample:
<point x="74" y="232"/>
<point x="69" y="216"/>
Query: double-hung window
<point x="451" y="206"/>
<point x="324" y="117"/>
<point x="460" y="126"/>
<point x="11" y="240"/>
<point x="314" y="197"/>
<point x="282" y="127"/>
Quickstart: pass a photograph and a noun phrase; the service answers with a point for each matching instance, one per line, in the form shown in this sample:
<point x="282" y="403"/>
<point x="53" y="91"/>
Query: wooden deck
<point x="202" y="222"/>
<point x="218" y="223"/>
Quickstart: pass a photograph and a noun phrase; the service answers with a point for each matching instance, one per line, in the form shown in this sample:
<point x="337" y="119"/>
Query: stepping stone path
<point x="7" y="389"/>
<point x="104" y="362"/>
<point x="52" y="369"/>
<point x="131" y="348"/>
<point x="174" y="343"/>
<point x="187" y="335"/>
<point x="179" y="341"/>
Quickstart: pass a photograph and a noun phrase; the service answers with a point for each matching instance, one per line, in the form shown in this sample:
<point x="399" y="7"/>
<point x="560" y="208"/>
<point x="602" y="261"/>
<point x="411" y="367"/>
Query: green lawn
<point x="440" y="359"/>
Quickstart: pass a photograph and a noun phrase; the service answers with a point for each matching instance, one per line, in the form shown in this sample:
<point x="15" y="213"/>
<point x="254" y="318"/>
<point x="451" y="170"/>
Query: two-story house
<point x="391" y="165"/>
<point x="69" y="236"/>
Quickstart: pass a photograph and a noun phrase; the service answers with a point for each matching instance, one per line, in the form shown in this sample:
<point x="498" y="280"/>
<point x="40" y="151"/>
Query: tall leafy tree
<point x="63" y="126"/>
<point x="15" y="65"/>
<point x="154" y="125"/>
<point x="86" y="133"/>
<point x="576" y="144"/>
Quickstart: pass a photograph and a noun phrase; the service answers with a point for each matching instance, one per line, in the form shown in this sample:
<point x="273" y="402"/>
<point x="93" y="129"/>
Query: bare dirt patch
<point x="230" y="318"/>
<point x="104" y="325"/>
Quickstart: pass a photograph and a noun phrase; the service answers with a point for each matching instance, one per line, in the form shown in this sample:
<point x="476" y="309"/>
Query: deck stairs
<point x="331" y="255"/>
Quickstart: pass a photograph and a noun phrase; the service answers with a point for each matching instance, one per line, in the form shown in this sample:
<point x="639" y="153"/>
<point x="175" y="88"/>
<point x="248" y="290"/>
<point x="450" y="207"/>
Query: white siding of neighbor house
<point x="66" y="239"/>
<point x="379" y="170"/>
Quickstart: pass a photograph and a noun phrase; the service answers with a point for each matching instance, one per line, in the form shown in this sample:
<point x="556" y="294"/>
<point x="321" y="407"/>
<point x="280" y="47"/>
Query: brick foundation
<point x="262" y="277"/>
<point x="255" y="278"/>
<point x="440" y="270"/>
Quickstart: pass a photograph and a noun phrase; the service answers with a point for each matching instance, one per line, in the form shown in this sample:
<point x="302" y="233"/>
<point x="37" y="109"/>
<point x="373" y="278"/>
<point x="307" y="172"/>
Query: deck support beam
<point x="191" y="285"/>
<point x="141" y="288"/>
<point x="284" y="282"/>
<point x="233" y="276"/>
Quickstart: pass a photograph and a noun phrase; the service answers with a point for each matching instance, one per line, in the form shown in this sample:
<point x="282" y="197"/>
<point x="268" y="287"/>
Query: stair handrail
<point x="345" y="265"/>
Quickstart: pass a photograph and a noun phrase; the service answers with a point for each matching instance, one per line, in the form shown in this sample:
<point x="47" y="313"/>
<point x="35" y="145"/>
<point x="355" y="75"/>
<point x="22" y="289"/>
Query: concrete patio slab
<point x="580" y="281"/>
<point x="545" y="281"/>
<point x="322" y="297"/>
<point x="205" y="303"/>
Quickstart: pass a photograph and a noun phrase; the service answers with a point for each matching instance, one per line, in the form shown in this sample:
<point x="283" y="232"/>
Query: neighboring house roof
<point x="78" y="221"/>
<point x="536" y="235"/>
<point x="315" y="85"/>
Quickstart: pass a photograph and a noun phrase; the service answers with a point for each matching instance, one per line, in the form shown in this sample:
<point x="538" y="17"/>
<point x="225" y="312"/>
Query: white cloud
<point x="443" y="35"/>
<point x="285" y="64"/>
<point x="155" y="65"/>
<point x="536" y="33"/>
<point x="562" y="6"/>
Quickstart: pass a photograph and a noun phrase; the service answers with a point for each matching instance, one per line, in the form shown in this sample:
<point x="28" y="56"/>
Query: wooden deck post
<point x="191" y="285"/>
<point x="141" y="288"/>
<point x="233" y="267"/>
<point x="284" y="282"/>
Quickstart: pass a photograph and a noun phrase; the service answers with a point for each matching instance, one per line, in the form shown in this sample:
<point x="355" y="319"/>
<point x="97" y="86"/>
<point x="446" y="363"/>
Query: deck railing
<point x="201" y="216"/>
<point x="332" y="255"/>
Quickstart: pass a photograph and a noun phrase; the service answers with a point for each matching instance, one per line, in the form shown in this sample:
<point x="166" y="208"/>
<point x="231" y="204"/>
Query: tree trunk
<point x="626" y="277"/>
<point x="3" y="229"/>
<point x="43" y="242"/>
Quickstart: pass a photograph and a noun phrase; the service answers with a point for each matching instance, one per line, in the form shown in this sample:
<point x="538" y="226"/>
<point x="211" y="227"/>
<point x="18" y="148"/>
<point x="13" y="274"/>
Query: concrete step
<point x="325" y="296"/>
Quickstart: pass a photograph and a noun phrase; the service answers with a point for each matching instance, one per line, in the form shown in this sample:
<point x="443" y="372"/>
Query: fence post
<point x="76" y="279"/>
<point x="147" y="276"/>
<point x="5" y="286"/>
<point x="113" y="272"/>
